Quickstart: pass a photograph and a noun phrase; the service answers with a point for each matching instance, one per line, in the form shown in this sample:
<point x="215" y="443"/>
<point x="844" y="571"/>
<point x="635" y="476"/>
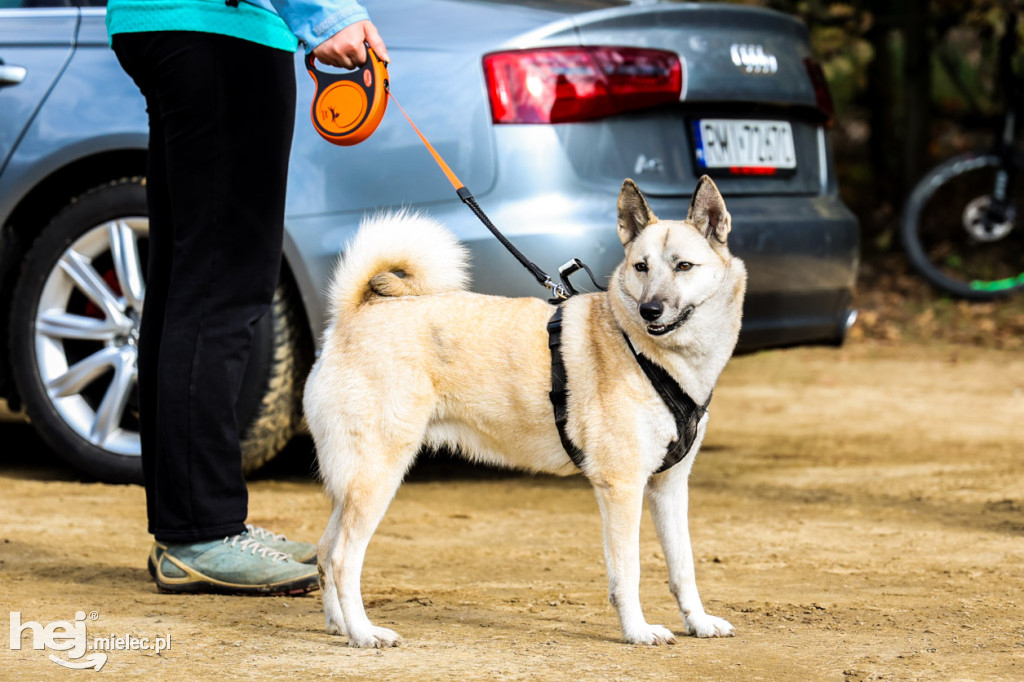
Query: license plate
<point x="744" y="147"/>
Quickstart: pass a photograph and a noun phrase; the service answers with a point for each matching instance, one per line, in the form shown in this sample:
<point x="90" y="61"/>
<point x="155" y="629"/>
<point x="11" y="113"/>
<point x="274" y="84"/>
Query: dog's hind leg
<point x="621" y="508"/>
<point x="369" y="486"/>
<point x="328" y="588"/>
<point x="668" y="496"/>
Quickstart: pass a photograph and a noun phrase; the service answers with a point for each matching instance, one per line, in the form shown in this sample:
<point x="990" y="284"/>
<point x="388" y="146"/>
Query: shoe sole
<point x="201" y="587"/>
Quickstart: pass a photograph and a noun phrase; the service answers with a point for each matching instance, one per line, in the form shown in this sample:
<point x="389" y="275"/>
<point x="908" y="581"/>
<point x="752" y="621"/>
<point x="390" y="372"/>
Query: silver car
<point x="542" y="108"/>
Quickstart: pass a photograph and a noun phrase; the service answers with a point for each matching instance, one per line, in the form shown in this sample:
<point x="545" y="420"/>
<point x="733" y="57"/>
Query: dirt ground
<point x="857" y="514"/>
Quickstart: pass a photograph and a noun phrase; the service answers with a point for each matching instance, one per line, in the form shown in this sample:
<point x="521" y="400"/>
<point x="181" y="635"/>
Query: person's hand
<point x="345" y="48"/>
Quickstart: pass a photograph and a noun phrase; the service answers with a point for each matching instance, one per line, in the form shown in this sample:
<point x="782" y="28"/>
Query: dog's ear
<point x="707" y="211"/>
<point x="634" y="213"/>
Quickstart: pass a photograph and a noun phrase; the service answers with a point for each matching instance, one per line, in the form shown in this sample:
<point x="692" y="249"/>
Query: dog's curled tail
<point x="399" y="253"/>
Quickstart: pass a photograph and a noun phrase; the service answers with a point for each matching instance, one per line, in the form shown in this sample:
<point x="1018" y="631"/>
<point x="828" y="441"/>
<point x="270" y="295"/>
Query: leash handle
<point x="347" y="107"/>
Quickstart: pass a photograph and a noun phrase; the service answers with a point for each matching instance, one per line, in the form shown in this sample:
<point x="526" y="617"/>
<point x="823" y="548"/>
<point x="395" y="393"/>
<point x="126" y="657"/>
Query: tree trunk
<point x="880" y="100"/>
<point x="918" y="78"/>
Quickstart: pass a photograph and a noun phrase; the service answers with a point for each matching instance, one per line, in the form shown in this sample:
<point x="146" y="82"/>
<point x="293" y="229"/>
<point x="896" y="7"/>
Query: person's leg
<point x="132" y="50"/>
<point x="225" y="109"/>
<point x="215" y="189"/>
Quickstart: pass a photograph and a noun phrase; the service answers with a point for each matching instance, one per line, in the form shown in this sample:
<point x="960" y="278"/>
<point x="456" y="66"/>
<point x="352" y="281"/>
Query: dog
<point x="410" y="359"/>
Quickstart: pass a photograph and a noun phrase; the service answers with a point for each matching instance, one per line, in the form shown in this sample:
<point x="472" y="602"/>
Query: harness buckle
<point x="570" y="268"/>
<point x="573" y="265"/>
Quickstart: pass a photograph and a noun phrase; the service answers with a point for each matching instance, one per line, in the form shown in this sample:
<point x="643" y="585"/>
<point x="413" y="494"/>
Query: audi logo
<point x="753" y="59"/>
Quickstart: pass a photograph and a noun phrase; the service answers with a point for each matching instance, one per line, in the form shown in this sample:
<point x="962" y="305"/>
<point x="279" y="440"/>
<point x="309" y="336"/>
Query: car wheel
<point x="74" y="329"/>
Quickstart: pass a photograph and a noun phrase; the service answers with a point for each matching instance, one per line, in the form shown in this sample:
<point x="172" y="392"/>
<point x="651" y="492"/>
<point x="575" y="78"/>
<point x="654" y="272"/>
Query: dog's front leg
<point x="668" y="495"/>
<point x="621" y="507"/>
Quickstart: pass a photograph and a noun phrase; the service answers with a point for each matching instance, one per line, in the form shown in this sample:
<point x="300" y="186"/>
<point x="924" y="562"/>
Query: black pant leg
<point x="224" y="111"/>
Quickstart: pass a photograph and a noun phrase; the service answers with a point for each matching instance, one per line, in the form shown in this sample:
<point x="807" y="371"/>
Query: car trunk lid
<point x="759" y="53"/>
<point x="745" y="78"/>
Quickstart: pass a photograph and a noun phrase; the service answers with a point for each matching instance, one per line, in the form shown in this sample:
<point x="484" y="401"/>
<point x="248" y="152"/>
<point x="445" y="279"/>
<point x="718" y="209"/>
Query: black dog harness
<point x="686" y="412"/>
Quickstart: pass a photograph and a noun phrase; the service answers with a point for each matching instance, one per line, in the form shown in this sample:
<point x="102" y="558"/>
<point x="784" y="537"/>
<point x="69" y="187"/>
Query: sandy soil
<point x="857" y="514"/>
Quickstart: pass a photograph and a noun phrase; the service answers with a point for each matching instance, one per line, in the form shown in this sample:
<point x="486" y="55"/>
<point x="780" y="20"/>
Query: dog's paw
<point x="651" y="634"/>
<point x="709" y="626"/>
<point x="335" y="628"/>
<point x="375" y="638"/>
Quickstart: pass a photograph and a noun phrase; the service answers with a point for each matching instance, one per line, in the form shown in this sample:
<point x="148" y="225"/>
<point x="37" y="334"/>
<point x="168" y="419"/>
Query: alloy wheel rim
<point x="87" y="330"/>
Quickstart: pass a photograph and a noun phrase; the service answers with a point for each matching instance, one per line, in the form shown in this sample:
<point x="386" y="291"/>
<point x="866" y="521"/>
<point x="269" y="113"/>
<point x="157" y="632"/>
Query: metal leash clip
<point x="561" y="291"/>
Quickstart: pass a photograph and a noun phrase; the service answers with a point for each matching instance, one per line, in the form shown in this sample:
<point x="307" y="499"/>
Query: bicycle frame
<point x="1005" y="148"/>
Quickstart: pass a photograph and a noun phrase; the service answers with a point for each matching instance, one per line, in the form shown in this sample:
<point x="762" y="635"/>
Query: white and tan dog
<point x="411" y="359"/>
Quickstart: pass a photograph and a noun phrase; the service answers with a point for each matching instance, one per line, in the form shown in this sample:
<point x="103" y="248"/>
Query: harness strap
<point x="559" y="386"/>
<point x="685" y="410"/>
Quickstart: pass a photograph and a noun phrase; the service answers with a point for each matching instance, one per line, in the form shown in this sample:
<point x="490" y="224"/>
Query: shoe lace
<point x="254" y="546"/>
<point x="263" y="534"/>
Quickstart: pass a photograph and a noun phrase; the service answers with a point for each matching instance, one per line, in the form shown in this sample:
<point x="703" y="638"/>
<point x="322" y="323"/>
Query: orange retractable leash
<point x="348" y="107"/>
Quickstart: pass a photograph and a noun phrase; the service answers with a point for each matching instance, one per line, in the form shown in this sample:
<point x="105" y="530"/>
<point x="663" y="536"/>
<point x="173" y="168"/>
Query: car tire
<point x="54" y="326"/>
<point x="270" y="403"/>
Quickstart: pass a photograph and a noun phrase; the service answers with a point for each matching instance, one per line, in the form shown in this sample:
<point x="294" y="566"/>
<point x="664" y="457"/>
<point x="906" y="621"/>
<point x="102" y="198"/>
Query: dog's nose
<point x="651" y="310"/>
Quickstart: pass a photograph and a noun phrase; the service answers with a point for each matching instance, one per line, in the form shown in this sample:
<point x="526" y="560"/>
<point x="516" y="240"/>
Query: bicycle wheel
<point x="955" y="235"/>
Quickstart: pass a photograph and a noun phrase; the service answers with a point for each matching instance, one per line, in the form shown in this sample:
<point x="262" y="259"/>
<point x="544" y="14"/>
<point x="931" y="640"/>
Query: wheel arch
<point x="40" y="204"/>
<point x="308" y="293"/>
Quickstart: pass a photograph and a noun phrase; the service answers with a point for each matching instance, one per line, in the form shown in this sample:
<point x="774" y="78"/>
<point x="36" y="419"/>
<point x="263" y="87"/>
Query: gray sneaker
<point x="238" y="564"/>
<point x="303" y="552"/>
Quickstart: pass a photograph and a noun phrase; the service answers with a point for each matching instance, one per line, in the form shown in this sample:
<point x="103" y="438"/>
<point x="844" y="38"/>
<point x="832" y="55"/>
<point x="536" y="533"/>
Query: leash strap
<point x="448" y="172"/>
<point x="467" y="198"/>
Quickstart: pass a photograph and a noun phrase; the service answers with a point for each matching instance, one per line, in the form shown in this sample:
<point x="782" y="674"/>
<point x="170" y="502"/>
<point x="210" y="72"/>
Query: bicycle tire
<point x="934" y="219"/>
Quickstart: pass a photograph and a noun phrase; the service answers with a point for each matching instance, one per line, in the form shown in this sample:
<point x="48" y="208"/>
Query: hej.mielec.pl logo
<point x="72" y="637"/>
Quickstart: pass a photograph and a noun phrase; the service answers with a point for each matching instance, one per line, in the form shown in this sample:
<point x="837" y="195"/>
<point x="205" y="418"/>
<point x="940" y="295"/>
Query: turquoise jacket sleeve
<point x="314" y="21"/>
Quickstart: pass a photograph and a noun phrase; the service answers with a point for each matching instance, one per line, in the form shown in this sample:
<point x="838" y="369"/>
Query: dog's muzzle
<point x="662" y="329"/>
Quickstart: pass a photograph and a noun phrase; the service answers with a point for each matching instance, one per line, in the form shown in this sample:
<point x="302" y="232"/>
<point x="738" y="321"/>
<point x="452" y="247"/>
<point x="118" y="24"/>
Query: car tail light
<point x="566" y="84"/>
<point x="822" y="95"/>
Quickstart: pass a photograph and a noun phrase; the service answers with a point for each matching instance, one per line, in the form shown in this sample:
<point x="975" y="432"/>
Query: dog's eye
<point x="684" y="266"/>
<point x="640" y="266"/>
